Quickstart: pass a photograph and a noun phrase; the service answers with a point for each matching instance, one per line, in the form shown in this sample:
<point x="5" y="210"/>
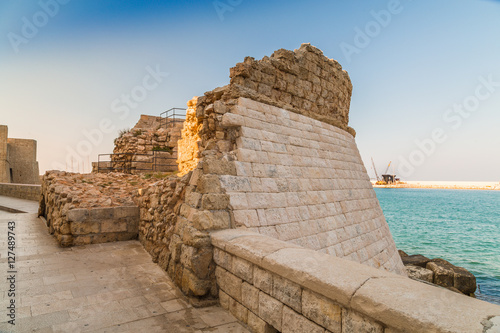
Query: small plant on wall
<point x="160" y="148"/>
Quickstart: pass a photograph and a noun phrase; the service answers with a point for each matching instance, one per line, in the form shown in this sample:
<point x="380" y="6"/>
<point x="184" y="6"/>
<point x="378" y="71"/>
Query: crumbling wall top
<point x="303" y="81"/>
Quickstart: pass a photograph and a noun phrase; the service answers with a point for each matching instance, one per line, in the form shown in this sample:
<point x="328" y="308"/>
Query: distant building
<point x="389" y="179"/>
<point x="18" y="162"/>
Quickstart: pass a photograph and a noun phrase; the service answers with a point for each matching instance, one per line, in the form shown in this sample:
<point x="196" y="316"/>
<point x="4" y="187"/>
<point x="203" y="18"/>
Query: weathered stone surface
<point x="238" y="310"/>
<point x="250" y="297"/>
<point x="353" y="321"/>
<point x="464" y="280"/>
<point x="404" y="304"/>
<point x="287" y="292"/>
<point x="270" y="310"/>
<point x="443" y="273"/>
<point x="242" y="269"/>
<point x="214" y="201"/>
<point x="402" y="253"/>
<point x="229" y="283"/>
<point x="84" y="228"/>
<point x="449" y="275"/>
<point x="263" y="280"/>
<point x="211" y="220"/>
<point x="420" y="273"/>
<point x="296" y="323"/>
<point x="257" y="325"/>
<point x="415" y="260"/>
<point x="321" y="310"/>
<point x="209" y="184"/>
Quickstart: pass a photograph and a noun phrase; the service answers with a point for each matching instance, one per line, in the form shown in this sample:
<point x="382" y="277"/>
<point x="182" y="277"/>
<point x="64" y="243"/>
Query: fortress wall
<point x="4" y="160"/>
<point x="22" y="158"/>
<point x="285" y="170"/>
<point x="303" y="181"/>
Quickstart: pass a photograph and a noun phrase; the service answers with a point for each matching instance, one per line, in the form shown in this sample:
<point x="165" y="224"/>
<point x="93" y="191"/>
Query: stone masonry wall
<point x="291" y="177"/>
<point x="303" y="181"/>
<point x="275" y="286"/>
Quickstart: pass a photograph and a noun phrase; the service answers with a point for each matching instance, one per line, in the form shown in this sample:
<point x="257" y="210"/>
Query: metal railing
<point x="132" y="162"/>
<point x="170" y="117"/>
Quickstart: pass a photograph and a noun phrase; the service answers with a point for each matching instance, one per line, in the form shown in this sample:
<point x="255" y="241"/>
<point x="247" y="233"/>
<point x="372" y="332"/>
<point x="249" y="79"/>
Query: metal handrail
<point x="127" y="165"/>
<point x="172" y="116"/>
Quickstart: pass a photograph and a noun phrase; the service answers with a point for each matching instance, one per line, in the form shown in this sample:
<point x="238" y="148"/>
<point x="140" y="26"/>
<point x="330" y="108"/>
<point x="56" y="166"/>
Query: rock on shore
<point x="439" y="272"/>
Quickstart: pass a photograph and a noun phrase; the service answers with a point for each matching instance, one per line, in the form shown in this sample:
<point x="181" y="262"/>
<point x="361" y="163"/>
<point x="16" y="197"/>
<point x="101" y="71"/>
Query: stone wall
<point x="4" y="162"/>
<point x="275" y="286"/>
<point x="303" y="181"/>
<point x="90" y="208"/>
<point x="146" y="141"/>
<point x="302" y="81"/>
<point x="174" y="239"/>
<point x="188" y="155"/>
<point x="17" y="160"/>
<point x="283" y="174"/>
<point x="21" y="191"/>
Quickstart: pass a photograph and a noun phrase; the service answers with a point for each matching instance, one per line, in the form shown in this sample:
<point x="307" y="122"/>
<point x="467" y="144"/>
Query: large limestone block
<point x="294" y="322"/>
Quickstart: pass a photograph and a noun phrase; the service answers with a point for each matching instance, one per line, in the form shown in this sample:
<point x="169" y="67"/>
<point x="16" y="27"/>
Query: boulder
<point x="443" y="272"/>
<point x="402" y="253"/>
<point x="415" y="260"/>
<point x="464" y="280"/>
<point x="449" y="275"/>
<point x="419" y="273"/>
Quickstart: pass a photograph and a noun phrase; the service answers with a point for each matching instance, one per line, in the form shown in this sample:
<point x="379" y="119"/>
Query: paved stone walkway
<point x="112" y="287"/>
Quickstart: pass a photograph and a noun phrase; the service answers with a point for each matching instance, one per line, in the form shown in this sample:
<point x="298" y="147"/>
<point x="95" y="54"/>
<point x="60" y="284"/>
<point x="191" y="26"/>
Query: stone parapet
<point x="273" y="285"/>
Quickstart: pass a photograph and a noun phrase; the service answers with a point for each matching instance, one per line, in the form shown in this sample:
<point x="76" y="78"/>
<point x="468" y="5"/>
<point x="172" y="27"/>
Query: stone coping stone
<point x="395" y="300"/>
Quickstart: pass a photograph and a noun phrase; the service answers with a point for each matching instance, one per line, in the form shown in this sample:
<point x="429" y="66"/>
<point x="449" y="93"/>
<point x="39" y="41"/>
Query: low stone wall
<point x="101" y="225"/>
<point x="22" y="191"/>
<point x="274" y="286"/>
<point x="90" y="208"/>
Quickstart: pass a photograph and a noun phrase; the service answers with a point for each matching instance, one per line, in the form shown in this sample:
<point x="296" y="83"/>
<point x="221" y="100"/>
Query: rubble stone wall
<point x="173" y="239"/>
<point x="302" y="81"/>
<point x="149" y="137"/>
<point x="90" y="208"/>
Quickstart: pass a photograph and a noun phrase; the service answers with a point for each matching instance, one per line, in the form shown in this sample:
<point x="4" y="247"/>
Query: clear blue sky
<point x="422" y="68"/>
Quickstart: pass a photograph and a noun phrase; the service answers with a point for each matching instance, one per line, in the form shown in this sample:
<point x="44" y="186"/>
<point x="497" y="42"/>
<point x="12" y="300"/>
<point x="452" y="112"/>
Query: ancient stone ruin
<point x="271" y="213"/>
<point x="18" y="162"/>
<point x="151" y="145"/>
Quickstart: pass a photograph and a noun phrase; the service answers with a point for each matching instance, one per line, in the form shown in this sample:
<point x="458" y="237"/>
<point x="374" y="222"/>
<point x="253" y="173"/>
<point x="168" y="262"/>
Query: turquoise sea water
<point x="461" y="226"/>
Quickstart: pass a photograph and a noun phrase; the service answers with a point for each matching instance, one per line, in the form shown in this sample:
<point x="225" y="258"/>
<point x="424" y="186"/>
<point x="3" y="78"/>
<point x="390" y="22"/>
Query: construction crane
<point x="375" y="169"/>
<point x="387" y="170"/>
